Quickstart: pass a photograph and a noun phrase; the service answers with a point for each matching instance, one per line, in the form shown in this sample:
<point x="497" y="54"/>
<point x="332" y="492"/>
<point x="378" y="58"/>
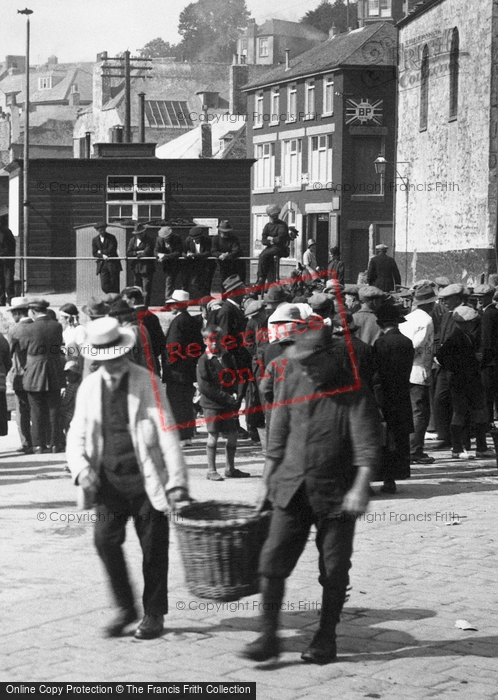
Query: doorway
<point x="319" y="229"/>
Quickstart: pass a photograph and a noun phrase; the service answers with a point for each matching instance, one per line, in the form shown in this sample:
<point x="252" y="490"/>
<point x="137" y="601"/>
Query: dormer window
<point x="45" y="83"/>
<point x="380" y="8"/>
<point x="263" y="46"/>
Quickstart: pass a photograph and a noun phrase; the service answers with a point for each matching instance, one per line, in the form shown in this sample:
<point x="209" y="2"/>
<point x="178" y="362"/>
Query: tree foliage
<point x="158" y="48"/>
<point x="210" y="28"/>
<point x="328" y="14"/>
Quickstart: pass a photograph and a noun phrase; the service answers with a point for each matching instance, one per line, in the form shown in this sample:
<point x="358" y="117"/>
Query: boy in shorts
<point x="217" y="381"/>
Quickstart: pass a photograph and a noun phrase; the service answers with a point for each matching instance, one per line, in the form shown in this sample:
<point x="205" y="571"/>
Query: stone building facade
<point x="446" y="186"/>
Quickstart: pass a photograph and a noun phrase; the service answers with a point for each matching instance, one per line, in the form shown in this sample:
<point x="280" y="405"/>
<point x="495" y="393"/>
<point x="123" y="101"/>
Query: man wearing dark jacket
<point x="489" y="346"/>
<point x="105" y="248"/>
<point x="276" y="240"/>
<point x="382" y="270"/>
<point x="139" y="247"/>
<point x="317" y="471"/>
<point x="43" y="379"/>
<point x="183" y="348"/>
<point x="226" y="247"/>
<point x="7" y="248"/>
<point x="168" y="250"/>
<point x="458" y="355"/>
<point x="19" y="310"/>
<point x="394" y="354"/>
<point x="199" y="268"/>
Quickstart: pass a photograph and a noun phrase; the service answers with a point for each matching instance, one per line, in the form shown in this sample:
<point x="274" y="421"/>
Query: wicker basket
<point x="220" y="544"/>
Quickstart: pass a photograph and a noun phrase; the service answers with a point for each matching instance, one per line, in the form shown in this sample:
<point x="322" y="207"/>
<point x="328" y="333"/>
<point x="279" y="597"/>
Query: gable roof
<point x="64" y="75"/>
<point x="372" y="45"/>
<point x="188" y="145"/>
<point x="283" y="27"/>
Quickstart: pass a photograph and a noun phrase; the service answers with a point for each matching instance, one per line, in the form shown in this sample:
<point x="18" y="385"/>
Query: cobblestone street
<point x="424" y="559"/>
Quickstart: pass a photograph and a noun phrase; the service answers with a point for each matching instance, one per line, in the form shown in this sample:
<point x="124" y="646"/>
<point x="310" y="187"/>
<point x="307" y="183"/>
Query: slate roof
<point x="372" y="45"/>
<point x="282" y="27"/>
<point x="64" y="75"/>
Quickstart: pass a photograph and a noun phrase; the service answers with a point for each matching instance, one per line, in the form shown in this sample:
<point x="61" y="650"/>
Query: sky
<point x="76" y="30"/>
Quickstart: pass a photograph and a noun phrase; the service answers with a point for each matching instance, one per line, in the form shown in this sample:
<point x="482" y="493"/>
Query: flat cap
<point x="253" y="307"/>
<point x="442" y="281"/>
<point x="197" y="231"/>
<point x="381" y="246"/>
<point x="352" y="289"/>
<point x="319" y="300"/>
<point x="369" y="292"/>
<point x="272" y="209"/>
<point x="450" y="290"/>
<point x="484" y="290"/>
<point x="465" y="313"/>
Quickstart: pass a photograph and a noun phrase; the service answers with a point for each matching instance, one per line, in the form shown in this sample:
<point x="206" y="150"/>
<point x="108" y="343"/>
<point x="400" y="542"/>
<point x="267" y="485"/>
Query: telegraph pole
<point x="24" y="247"/>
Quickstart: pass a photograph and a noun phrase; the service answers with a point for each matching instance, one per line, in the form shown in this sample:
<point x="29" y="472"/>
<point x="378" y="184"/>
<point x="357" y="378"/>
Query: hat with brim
<point x="38" y="304"/>
<point x="179" y="296"/>
<point x="225" y="227"/>
<point x="139" y="228"/>
<point x="465" y="313"/>
<point x="68" y="310"/>
<point x="381" y="246"/>
<point x="100" y="225"/>
<point x="232" y="282"/>
<point x="107" y="340"/>
<point x="19" y="304"/>
<point x="286" y="313"/>
<point x="312" y="342"/>
<point x="424" y="295"/>
<point x="197" y="231"/>
<point x="96" y="309"/>
<point x="275" y="294"/>
<point x="165" y="232"/>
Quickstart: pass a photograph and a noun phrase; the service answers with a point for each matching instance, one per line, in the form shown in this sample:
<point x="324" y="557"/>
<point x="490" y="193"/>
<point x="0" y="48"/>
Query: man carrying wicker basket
<point x="323" y="444"/>
<point x="131" y="466"/>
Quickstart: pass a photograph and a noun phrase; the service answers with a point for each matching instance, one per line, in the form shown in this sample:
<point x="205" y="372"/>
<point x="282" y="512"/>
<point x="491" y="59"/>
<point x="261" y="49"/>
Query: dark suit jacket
<point x="141" y="247"/>
<point x="489" y="336"/>
<point x="228" y="245"/>
<point x="184" y="330"/>
<point x="108" y="247"/>
<point x="42" y="340"/>
<point x="7" y="243"/>
<point x="230" y="318"/>
<point x="383" y="272"/>
<point x="394" y="355"/>
<point x="458" y="356"/>
<point x="205" y="242"/>
<point x="280" y="235"/>
<point x="320" y="443"/>
<point x="171" y="248"/>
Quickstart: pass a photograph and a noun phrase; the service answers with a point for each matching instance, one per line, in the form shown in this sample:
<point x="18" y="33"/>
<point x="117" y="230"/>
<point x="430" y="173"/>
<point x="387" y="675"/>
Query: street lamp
<point x="24" y="249"/>
<point x="381" y="164"/>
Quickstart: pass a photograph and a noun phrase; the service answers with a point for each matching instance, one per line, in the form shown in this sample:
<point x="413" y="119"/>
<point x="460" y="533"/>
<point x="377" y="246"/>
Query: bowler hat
<point x="106" y="340"/>
<point x="196" y="231"/>
<point x="225" y="226"/>
<point x="388" y="313"/>
<point x="232" y="282"/>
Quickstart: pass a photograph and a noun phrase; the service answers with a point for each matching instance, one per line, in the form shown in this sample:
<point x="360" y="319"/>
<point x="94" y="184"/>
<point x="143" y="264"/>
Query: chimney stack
<point x="206" y="137"/>
<point x="333" y="31"/>
<point x="141" y="125"/>
<point x="287" y="60"/>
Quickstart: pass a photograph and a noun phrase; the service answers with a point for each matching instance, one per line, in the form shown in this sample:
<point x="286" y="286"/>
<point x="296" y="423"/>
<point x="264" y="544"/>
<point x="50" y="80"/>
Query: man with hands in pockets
<point x="122" y="454"/>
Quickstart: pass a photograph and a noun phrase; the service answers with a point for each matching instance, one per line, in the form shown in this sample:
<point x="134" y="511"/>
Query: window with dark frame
<point x="136" y="197"/>
<point x="454" y="73"/>
<point x="424" y="89"/>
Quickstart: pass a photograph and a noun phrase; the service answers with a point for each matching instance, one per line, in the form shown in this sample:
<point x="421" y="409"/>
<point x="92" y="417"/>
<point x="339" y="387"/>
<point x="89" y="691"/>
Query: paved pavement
<point x="424" y="559"/>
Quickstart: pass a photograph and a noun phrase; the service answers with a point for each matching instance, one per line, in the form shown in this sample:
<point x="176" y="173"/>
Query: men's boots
<point x="457" y="449"/>
<point x="323" y="649"/>
<point x="267" y="645"/>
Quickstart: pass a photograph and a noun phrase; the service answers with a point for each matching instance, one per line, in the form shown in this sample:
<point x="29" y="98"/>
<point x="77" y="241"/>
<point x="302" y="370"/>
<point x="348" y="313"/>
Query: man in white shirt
<point x="419" y="328"/>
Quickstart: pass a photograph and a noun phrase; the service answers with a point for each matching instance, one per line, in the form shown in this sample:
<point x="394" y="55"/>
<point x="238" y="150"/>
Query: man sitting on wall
<point x="276" y="241"/>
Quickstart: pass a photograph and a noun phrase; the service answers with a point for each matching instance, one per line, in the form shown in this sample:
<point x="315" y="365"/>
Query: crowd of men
<point x="338" y="383"/>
